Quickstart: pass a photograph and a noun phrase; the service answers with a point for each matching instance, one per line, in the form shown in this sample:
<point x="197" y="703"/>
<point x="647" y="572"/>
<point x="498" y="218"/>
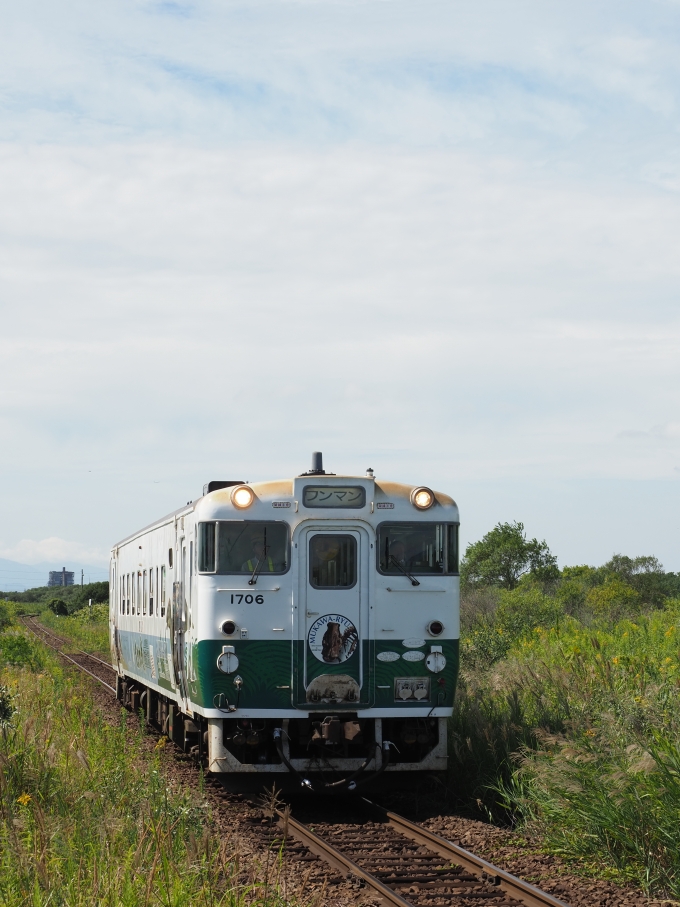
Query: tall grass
<point x="576" y="732"/>
<point x="86" y="818"/>
<point x="88" y="628"/>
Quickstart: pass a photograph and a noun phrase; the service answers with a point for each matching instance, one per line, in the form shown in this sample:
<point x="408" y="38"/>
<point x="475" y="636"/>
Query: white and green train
<point x="306" y="627"/>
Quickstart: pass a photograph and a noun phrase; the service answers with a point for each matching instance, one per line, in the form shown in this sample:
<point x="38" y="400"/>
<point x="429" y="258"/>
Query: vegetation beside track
<point x="567" y="718"/>
<point x="88" y="628"/>
<point x="86" y="815"/>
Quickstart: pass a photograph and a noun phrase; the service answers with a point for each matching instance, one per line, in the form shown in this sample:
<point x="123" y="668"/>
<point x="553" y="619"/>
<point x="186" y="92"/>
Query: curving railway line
<point x="399" y="862"/>
<point x="100" y="670"/>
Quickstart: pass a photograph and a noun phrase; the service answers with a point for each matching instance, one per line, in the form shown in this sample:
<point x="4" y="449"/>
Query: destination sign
<point x="335" y="496"/>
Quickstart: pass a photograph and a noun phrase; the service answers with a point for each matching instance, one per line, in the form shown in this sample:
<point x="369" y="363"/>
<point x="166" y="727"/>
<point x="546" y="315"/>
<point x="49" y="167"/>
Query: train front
<point x="325" y="638"/>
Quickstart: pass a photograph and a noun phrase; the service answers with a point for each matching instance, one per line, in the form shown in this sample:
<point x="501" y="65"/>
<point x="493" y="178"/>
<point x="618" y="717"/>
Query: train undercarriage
<point x="325" y="751"/>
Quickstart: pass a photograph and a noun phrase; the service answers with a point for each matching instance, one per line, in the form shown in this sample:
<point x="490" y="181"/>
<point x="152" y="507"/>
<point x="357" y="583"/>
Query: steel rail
<point x="336" y="858"/>
<point x="512" y="885"/>
<point x="68" y="657"/>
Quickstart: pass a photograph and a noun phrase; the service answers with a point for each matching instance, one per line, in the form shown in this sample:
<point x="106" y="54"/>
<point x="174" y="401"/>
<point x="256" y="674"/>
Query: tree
<point x="646" y="575"/>
<point x="504" y="555"/>
<point x="58" y="607"/>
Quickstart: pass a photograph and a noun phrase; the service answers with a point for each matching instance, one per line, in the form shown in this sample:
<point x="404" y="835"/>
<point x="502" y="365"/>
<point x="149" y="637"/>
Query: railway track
<point x="89" y="664"/>
<point x="403" y="863"/>
<point x="400" y="862"/>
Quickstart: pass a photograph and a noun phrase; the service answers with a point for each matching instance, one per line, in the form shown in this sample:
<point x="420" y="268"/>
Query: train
<point x="297" y="631"/>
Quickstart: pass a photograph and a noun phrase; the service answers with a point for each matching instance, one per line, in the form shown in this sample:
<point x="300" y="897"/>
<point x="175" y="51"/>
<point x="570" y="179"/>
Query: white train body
<point x="312" y="632"/>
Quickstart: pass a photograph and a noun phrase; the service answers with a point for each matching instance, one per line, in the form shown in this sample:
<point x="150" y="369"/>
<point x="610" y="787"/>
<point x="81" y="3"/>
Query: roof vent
<point x="216" y="485"/>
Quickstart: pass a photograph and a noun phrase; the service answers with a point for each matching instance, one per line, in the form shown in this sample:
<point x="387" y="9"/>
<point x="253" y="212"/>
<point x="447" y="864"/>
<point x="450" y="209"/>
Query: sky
<point x="439" y="239"/>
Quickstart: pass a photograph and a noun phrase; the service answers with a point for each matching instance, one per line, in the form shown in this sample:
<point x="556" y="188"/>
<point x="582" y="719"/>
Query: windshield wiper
<point x="414" y="581"/>
<point x="258" y="566"/>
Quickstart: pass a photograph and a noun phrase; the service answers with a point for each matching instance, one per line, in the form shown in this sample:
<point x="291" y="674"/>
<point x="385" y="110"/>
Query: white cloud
<point x="54" y="550"/>
<point x="231" y="233"/>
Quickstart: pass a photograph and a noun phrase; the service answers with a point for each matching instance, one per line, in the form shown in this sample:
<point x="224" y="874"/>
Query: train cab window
<point x="206" y="547"/>
<point x="243" y="546"/>
<point x="163" y="591"/>
<point x="417" y="548"/>
<point x="332" y="561"/>
<point x="452" y="557"/>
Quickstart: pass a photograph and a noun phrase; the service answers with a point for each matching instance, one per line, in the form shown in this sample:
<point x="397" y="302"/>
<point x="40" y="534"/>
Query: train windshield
<point x="418" y="548"/>
<point x="240" y="546"/>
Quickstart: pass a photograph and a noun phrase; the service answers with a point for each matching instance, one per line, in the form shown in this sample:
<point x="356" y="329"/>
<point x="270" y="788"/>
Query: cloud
<point x="665" y="433"/>
<point x="231" y="233"/>
<point x="54" y="550"/>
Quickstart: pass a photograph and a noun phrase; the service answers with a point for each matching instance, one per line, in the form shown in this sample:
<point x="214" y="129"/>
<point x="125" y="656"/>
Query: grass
<point x="86" y="816"/>
<point x="575" y="732"/>
<point x="88" y="628"/>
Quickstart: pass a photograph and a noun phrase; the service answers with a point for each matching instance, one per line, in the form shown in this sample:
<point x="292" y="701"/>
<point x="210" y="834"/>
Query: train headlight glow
<point x="242" y="497"/>
<point x="422" y="498"/>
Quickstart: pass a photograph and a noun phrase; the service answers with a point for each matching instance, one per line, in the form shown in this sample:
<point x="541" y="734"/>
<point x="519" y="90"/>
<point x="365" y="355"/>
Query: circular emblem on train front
<point x="333" y="639"/>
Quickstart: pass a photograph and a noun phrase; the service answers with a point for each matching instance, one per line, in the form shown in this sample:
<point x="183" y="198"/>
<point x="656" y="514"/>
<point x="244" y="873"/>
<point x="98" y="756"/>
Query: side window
<point x="452" y="549"/>
<point x="134" y="593"/>
<point x="127" y="592"/>
<point x="144" y="594"/>
<point x="151" y="592"/>
<point x="206" y="547"/>
<point x="163" y="591"/>
<point x="332" y="561"/>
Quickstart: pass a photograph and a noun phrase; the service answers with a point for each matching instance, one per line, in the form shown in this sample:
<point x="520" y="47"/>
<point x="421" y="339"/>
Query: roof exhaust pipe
<point x="317" y="465"/>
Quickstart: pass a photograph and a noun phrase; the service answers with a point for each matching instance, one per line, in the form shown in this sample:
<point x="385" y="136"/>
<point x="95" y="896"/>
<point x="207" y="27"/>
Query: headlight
<point x="422" y="498"/>
<point x="242" y="496"/>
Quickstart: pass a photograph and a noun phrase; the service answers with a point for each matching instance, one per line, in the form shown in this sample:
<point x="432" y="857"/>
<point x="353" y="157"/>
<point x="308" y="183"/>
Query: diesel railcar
<point x="305" y="627"/>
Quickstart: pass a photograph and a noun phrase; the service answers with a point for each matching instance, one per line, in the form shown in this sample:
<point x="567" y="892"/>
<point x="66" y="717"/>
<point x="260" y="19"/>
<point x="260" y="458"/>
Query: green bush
<point x="7" y="708"/>
<point x="575" y="732"/>
<point x="6" y="616"/>
<point x="18" y="649"/>
<point x="57" y="606"/>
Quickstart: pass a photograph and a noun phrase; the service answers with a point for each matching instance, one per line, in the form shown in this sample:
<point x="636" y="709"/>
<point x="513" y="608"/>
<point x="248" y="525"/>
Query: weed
<point x="86" y="817"/>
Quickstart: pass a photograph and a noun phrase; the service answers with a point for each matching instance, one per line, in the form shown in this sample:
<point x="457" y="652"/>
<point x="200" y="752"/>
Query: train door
<point x="115" y="609"/>
<point x="179" y="619"/>
<point x="333" y="618"/>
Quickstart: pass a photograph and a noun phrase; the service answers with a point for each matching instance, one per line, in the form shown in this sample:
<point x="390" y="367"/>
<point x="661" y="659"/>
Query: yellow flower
<point x="591" y="733"/>
<point x="616" y="659"/>
<point x="161" y="743"/>
<point x="669" y="631"/>
<point x="668" y="660"/>
<point x="24" y="799"/>
<point x="625" y="634"/>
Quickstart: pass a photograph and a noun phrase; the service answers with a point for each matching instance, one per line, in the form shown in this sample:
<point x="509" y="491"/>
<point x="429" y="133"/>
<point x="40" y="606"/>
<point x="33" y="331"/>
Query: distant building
<point x="61" y="577"/>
